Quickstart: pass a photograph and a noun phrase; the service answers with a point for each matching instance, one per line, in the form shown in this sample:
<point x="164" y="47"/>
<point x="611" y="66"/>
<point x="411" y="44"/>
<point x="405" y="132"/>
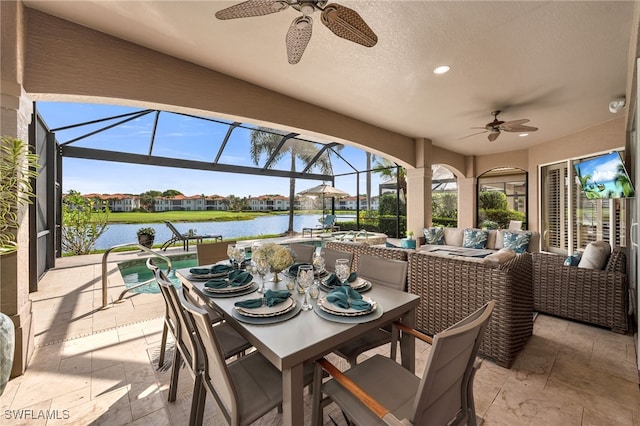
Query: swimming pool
<point x="135" y="272"/>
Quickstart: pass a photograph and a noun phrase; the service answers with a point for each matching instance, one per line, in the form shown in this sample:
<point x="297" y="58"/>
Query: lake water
<point x="264" y="225"/>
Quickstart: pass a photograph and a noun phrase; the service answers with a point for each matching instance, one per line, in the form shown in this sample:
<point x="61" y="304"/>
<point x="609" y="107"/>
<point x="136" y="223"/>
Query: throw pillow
<point x="595" y="255"/>
<point x="475" y="238"/>
<point x="434" y="235"/>
<point x="517" y="241"/>
<point x="572" y="260"/>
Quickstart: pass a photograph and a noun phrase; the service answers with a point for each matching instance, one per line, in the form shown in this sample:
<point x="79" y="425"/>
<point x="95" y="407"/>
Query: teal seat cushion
<point x="434" y="236"/>
<point x="475" y="238"/>
<point x="517" y="241"/>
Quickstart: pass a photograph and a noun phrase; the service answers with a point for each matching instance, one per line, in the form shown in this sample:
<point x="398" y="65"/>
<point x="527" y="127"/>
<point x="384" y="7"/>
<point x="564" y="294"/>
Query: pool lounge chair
<point x="329" y="223"/>
<point x="185" y="238"/>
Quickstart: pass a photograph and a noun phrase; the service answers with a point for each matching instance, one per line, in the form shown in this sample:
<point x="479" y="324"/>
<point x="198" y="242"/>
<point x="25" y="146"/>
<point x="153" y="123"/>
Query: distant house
<point x="269" y="203"/>
<point x="116" y="202"/>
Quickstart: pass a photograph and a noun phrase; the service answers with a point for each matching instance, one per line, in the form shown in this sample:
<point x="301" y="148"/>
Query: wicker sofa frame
<point x="592" y="296"/>
<point x="451" y="288"/>
<point x="360" y="248"/>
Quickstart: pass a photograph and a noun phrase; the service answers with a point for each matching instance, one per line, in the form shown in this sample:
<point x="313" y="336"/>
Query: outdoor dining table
<point x="305" y="337"/>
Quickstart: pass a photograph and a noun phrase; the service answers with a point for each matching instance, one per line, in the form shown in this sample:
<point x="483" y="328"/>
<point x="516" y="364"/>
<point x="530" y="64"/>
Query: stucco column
<point x="15" y="115"/>
<point x="419" y="189"/>
<point x="466" y="202"/>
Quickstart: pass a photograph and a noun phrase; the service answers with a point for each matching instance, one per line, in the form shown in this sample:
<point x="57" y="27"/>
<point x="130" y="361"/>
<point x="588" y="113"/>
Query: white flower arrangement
<point x="279" y="257"/>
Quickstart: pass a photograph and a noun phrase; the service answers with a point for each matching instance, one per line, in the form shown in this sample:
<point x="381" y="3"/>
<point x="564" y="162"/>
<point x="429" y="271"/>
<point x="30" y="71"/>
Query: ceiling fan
<point x="496" y="126"/>
<point x="341" y="20"/>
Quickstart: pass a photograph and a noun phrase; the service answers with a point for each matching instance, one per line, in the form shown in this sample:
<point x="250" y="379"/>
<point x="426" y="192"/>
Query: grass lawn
<point x="184" y="216"/>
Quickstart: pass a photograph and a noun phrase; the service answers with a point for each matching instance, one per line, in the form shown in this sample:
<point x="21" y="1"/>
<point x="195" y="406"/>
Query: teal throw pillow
<point x="572" y="260"/>
<point x="475" y="238"/>
<point x="434" y="235"/>
<point x="517" y="241"/>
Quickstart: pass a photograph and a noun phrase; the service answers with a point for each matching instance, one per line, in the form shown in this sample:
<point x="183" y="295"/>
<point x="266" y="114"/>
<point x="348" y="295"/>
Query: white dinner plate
<point x="268" y="311"/>
<point x="349" y="312"/>
<point x="229" y="289"/>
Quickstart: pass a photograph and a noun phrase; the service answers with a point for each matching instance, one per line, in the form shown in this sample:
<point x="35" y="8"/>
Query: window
<point x="570" y="221"/>
<point x="502" y="197"/>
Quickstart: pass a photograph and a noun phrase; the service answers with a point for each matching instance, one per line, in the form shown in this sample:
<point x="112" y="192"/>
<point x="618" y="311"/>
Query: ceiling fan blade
<point x="252" y="8"/>
<point x="515" y="122"/>
<point x="346" y="23"/>
<point x="493" y="136"/>
<point x="519" y="129"/>
<point x="473" y="134"/>
<point x="298" y="38"/>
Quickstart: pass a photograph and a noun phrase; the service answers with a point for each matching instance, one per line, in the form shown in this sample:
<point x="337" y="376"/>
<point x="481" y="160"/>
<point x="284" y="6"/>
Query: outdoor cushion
<point x="453" y="236"/>
<point x="517" y="241"/>
<point x="475" y="238"/>
<point x="434" y="235"/>
<point x="595" y="255"/>
<point x="573" y="260"/>
<point x="499" y="257"/>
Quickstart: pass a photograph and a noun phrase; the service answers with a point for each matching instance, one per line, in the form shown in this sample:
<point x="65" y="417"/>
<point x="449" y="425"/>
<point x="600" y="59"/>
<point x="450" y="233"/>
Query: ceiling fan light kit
<point x="342" y="21"/>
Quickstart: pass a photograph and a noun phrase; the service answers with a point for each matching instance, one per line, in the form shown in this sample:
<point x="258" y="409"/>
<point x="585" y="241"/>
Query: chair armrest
<point x="414" y="333"/>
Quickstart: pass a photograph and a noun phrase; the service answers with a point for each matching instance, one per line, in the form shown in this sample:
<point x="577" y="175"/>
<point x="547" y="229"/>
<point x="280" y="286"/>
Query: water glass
<point x="305" y="279"/>
<point x="231" y="249"/>
<point x="343" y="270"/>
<point x="239" y="255"/>
<point x="262" y="268"/>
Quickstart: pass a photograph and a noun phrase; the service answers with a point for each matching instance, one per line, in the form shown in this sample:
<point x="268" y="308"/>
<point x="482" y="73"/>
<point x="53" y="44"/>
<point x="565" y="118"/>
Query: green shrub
<point x="501" y="216"/>
<point x="389" y="206"/>
<point x="493" y="200"/>
<point x="444" y="221"/>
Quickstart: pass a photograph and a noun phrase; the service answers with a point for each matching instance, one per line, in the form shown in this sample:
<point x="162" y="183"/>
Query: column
<point x="419" y="189"/>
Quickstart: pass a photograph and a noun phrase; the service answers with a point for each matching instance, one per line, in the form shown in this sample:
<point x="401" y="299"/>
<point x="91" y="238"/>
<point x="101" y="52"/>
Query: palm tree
<point x="370" y="158"/>
<point x="621" y="179"/>
<point x="390" y="170"/>
<point x="266" y="141"/>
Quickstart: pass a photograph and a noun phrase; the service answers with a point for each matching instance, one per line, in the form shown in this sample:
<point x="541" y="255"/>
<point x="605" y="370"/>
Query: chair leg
<point x="175" y="372"/>
<point x="163" y="344"/>
<point x="198" y="400"/>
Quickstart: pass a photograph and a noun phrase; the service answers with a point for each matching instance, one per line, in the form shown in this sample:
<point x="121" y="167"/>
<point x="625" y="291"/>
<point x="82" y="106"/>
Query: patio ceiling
<point x="558" y="64"/>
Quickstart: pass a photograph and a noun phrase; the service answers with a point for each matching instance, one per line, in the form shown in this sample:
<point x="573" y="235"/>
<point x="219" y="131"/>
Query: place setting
<point x="346" y="305"/>
<point x="205" y="273"/>
<point x="233" y="283"/>
<point x="272" y="307"/>
<point x="344" y="277"/>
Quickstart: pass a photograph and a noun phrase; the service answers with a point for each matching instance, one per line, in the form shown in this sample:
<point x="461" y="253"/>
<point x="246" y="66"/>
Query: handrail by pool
<point x="104" y="269"/>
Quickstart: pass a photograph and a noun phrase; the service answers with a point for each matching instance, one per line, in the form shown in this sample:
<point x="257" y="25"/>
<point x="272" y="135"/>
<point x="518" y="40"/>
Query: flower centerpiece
<point x="279" y="257"/>
<point x="146" y="236"/>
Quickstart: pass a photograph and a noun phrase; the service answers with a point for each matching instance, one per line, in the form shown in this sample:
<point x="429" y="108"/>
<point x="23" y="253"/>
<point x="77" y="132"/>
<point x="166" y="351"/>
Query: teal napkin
<point x="220" y="269"/>
<point x="200" y="271"/>
<point x="271" y="298"/>
<point x="293" y="269"/>
<point x="346" y="297"/>
<point x="236" y="279"/>
<point x="333" y="281"/>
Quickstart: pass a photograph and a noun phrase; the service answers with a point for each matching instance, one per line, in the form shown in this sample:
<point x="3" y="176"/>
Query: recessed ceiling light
<point x="441" y="69"/>
<point x="522" y="135"/>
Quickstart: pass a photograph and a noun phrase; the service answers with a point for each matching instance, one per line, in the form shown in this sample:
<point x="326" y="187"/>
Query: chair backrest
<point x="174" y="230"/>
<point x="386" y="272"/>
<point x="515" y="225"/>
<point x="303" y="252"/>
<point x="209" y="253"/>
<point x="442" y="394"/>
<point x="329" y="220"/>
<point x="182" y="324"/>
<point x="217" y="376"/>
<point x="330" y="257"/>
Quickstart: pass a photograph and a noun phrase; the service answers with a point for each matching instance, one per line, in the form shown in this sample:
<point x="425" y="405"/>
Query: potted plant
<point x="17" y="168"/>
<point x="146" y="236"/>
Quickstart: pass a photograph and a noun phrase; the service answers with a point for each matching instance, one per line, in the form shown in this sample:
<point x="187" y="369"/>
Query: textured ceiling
<point x="558" y="64"/>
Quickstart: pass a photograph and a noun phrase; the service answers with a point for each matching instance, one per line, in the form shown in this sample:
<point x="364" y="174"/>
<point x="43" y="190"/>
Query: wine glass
<point x="262" y="268"/>
<point x="305" y="278"/>
<point x="239" y="255"/>
<point x="231" y="248"/>
<point x="342" y="270"/>
<point x="318" y="263"/>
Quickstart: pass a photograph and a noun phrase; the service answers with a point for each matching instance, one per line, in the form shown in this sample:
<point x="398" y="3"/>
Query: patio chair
<point x="243" y="390"/>
<point x="209" y="253"/>
<point x="328" y="223"/>
<point x="381" y="391"/>
<point x="380" y="272"/>
<point x="515" y="225"/>
<point x="330" y="257"/>
<point x="302" y="252"/>
<point x="185" y="238"/>
<point x="232" y="343"/>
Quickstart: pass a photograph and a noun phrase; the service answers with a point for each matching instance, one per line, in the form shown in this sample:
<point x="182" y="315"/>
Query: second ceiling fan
<point x="496" y="126"/>
<point x="341" y="20"/>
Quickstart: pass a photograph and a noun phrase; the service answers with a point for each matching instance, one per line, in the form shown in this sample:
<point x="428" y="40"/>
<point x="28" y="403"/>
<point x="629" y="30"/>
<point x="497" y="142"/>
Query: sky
<point x="177" y="136"/>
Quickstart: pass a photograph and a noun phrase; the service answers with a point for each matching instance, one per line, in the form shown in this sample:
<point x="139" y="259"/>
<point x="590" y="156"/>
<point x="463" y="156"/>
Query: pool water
<point x="135" y="271"/>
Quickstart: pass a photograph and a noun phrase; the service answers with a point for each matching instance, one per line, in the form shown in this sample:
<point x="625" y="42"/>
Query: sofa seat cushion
<point x="595" y="255"/>
<point x="475" y="238"/>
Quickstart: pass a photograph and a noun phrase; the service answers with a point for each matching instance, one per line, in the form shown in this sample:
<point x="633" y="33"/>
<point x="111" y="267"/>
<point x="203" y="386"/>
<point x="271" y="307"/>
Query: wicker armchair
<point x="359" y="248"/>
<point x="593" y="296"/>
<point x="451" y="288"/>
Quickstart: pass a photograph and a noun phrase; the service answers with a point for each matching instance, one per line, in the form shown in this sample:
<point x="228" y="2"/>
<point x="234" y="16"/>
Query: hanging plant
<point x="17" y="167"/>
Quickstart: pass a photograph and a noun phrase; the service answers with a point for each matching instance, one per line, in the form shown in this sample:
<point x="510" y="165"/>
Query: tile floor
<point x="95" y="366"/>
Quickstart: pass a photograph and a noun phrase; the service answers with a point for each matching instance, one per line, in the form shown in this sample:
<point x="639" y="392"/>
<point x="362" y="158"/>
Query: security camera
<point x="617" y="105"/>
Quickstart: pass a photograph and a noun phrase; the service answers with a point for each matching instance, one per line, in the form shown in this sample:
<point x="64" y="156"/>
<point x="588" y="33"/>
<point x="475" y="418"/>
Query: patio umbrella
<point x="324" y="190"/>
